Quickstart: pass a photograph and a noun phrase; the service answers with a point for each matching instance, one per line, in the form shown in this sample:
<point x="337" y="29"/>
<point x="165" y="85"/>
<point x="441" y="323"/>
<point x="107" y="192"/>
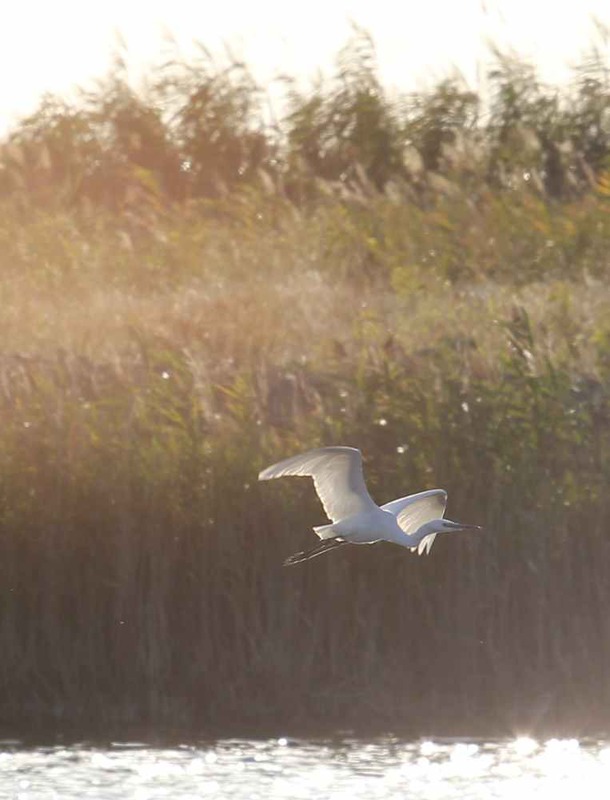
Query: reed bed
<point x="162" y="342"/>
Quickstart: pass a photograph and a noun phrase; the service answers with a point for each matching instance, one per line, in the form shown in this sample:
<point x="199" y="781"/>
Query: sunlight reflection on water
<point x="338" y="770"/>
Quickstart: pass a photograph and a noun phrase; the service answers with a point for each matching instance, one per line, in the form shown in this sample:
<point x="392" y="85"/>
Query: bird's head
<point x="446" y="526"/>
<point x="425" y="536"/>
<point x="423" y="539"/>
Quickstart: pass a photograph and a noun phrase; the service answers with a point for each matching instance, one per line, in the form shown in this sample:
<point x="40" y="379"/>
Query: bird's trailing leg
<point x="323" y="547"/>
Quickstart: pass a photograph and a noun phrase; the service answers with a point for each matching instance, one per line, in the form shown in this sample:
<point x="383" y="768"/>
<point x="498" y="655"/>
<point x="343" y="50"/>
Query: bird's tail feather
<point x="305" y="555"/>
<point x="325" y="531"/>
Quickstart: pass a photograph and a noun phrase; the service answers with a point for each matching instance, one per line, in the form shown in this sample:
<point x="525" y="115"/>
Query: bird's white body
<point x="376" y="525"/>
<point x="412" y="521"/>
<point x="367" y="527"/>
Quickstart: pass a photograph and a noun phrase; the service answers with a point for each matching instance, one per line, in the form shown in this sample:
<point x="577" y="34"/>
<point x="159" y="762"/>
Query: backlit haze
<point x="55" y="46"/>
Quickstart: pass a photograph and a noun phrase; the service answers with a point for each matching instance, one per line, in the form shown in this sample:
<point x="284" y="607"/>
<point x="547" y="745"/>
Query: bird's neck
<point x="428" y="527"/>
<point x="413" y="539"/>
<point x="398" y="536"/>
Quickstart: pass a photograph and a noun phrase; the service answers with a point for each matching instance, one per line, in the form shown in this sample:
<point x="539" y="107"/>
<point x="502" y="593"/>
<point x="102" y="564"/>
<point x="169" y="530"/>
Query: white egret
<point x="413" y="521"/>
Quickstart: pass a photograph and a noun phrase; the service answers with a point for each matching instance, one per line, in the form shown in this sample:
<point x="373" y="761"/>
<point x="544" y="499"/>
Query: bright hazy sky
<point x="51" y="45"/>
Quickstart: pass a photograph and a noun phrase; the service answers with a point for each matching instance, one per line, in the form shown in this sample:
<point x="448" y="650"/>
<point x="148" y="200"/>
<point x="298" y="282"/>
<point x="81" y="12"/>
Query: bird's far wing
<point x="337" y="476"/>
<point x="413" y="511"/>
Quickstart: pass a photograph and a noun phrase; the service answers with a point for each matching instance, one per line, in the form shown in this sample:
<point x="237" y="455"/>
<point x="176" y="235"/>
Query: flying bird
<point x="413" y="521"/>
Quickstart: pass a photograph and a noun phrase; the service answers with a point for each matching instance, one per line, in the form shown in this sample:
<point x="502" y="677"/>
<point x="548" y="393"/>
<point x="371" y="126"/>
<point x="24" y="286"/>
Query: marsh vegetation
<point x="190" y="292"/>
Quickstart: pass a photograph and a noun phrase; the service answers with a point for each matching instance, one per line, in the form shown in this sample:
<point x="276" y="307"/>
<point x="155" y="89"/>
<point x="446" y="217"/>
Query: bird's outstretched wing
<point x="413" y="511"/>
<point x="337" y="476"/>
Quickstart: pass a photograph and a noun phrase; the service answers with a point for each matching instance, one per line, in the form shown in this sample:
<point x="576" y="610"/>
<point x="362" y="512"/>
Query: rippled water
<point x="281" y="768"/>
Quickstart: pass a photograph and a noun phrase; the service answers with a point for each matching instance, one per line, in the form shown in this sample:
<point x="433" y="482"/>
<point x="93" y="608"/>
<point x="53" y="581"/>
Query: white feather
<point x="413" y="521"/>
<point x="413" y="511"/>
<point x="337" y="476"/>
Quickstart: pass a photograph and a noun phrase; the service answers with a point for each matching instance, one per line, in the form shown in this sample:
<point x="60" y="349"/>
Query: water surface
<point x="281" y="768"/>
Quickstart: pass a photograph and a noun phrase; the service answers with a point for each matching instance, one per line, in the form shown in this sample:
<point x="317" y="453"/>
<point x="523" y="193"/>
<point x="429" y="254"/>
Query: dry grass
<point x="229" y="293"/>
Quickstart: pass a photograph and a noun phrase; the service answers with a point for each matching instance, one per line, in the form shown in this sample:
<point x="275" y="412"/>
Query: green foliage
<point x="436" y="121"/>
<point x="347" y="132"/>
<point x="213" y="115"/>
